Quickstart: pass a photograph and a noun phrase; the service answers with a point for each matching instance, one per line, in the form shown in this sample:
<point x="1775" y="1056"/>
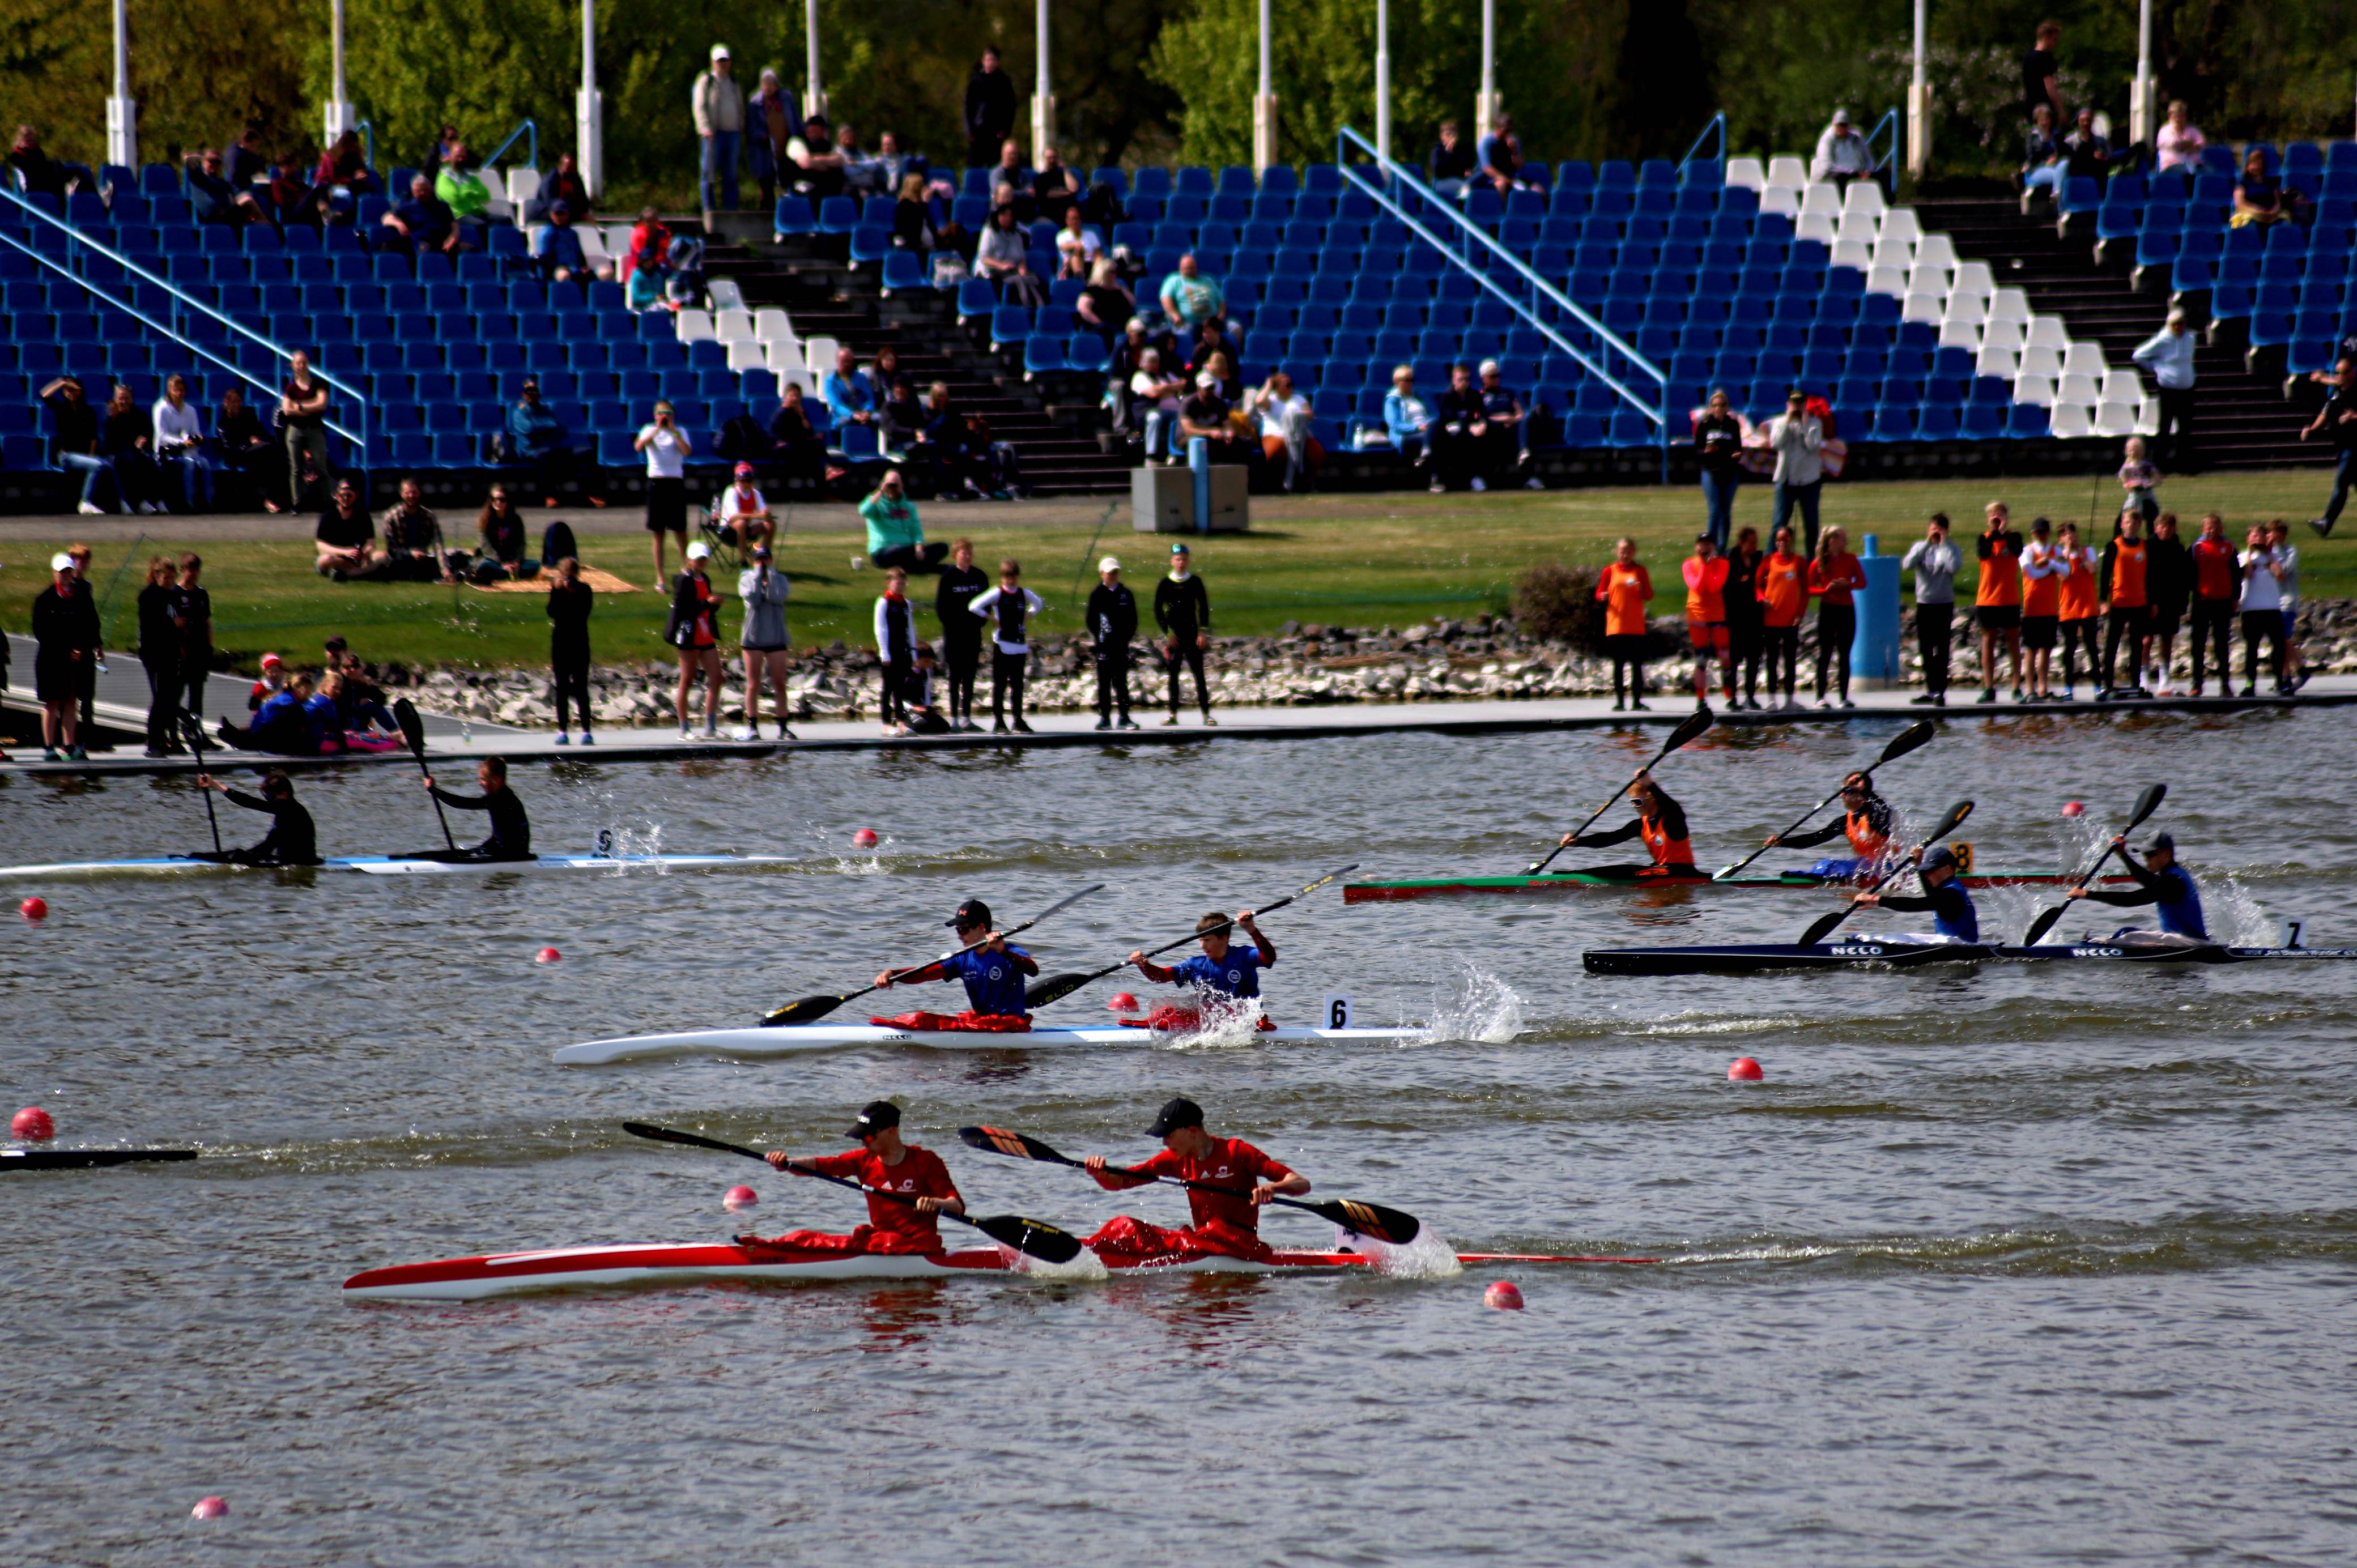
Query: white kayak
<point x="793" y="1039"/>
<point x="401" y="865"/>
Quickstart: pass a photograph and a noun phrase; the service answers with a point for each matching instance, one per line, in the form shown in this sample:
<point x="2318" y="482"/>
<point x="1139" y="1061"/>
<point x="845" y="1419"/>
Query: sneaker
<point x="1126" y="723"/>
<point x="1925" y="701"/>
<point x="2323" y="526"/>
<point x="1022" y="729"/>
<point x="588" y="739"/>
<point x="2250" y="691"/>
<point x="563" y="739"/>
<point x="1848" y="703"/>
<point x="1534" y="483"/>
<point x="684" y="732"/>
<point x="154" y="751"/>
<point x="1479" y="485"/>
<point x="91" y="509"/>
<point x="783" y="732"/>
<point x="1210" y="721"/>
<point x="1824" y="702"/>
<point x="711" y="732"/>
<point x="751" y="732"/>
<point x="76" y="754"/>
<point x="998" y="726"/>
<point x="2069" y="694"/>
<point x="2017" y="694"/>
<point x="49" y="753"/>
<point x="1436" y="488"/>
<point x="1170" y="723"/>
<point x="149" y="508"/>
<point x="1989" y="693"/>
<point x="1940" y="700"/>
<point x="1104" y="724"/>
<point x="1637" y="706"/>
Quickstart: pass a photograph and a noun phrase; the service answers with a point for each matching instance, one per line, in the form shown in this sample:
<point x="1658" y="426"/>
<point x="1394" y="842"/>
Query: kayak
<point x="793" y="1039"/>
<point x="1556" y="881"/>
<point x="1848" y="953"/>
<point x="401" y="865"/>
<point x="577" y="1268"/>
<point x="2180" y="950"/>
<point x="84" y="1159"/>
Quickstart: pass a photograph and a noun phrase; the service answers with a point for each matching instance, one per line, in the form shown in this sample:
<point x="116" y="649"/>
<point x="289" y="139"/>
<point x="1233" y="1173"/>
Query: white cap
<point x="699" y="550"/>
<point x="1108" y="564"/>
<point x="61" y="562"/>
<point x="720" y="52"/>
<point x="1207" y="380"/>
<point x="1489" y="367"/>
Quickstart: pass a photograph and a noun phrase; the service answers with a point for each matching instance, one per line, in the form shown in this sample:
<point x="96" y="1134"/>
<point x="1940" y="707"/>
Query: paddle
<point x="412" y="730"/>
<point x="193" y="727"/>
<point x="1032" y="1238"/>
<point x="812" y="1008"/>
<point x="1369" y="1219"/>
<point x="2147" y="804"/>
<point x="1056" y="987"/>
<point x="1824" y="923"/>
<point x="1905" y="741"/>
<point x="1693" y="725"/>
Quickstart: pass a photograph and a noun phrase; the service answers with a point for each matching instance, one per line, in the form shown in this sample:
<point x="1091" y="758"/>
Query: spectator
<point x="2181" y="141"/>
<point x="40" y="174"/>
<point x="344" y="171"/>
<point x="180" y="444"/>
<point x="912" y="217"/>
<point x="2295" y="666"/>
<point x="2040" y="79"/>
<point x="127" y="438"/>
<point x="1283" y="417"/>
<point x="894" y="536"/>
<point x="2217" y="577"/>
<point x="458" y="187"/>
<point x="290" y="200"/>
<point x="1205" y="417"/>
<point x="2258" y="195"/>
<point x="569" y="601"/>
<point x="989" y="464"/>
<point x="818" y="167"/>
<point x="667" y="448"/>
<point x="1842" y="155"/>
<point x="801" y="448"/>
<point x="719" y="107"/>
<point x="1111" y="620"/>
<point x="695" y="630"/>
<point x="1746" y="637"/>
<point x="1010" y="183"/>
<point x="1210" y="347"/>
<point x="649" y="244"/>
<point x="1834" y="576"/>
<point x="1505" y="433"/>
<point x="850" y="397"/>
<point x="1458" y="428"/>
<point x="2085" y="153"/>
<point x="1128" y="353"/>
<point x="2336" y="422"/>
<point x="2138" y="478"/>
<point x="894" y="165"/>
<point x="1706" y="574"/>
<point x="1009" y="609"/>
<point x="895" y="650"/>
<point x="2041" y="156"/>
<point x="2262" y="607"/>
<point x="649" y="287"/>
<point x="159" y="656"/>
<point x="763" y="589"/>
<point x="1105" y="306"/>
<point x="2169" y="584"/>
<point x="925" y="716"/>
<point x="1997" y="603"/>
<point x="1719" y="443"/>
<point x="425" y="221"/>
<point x="1005" y="258"/>
<point x="1189" y="299"/>
<point x="1623" y="587"/>
<point x="2043" y="573"/>
<point x="413" y="546"/>
<point x="192" y="612"/>
<point x="1797" y="436"/>
<point x="683" y="264"/>
<point x="2169" y="355"/>
<point x="1076" y="246"/>
<point x="564" y="184"/>
<point x="244" y="162"/>
<point x="1154" y="399"/>
<point x="558" y="248"/>
<point x="1501" y="157"/>
<point x="769" y="122"/>
<point x="66" y="634"/>
<point x="244" y="446"/>
<point x="2075" y="612"/>
<point x="862" y="176"/>
<point x="905" y="416"/>
<point x="445" y="143"/>
<point x="1452" y="163"/>
<point x="73" y="443"/>
<point x="303" y="415"/>
<point x="990" y="109"/>
<point x="930" y="432"/>
<point x="211" y="196"/>
<point x="741" y="515"/>
<point x="882" y="371"/>
<point x="1055" y="189"/>
<point x="536" y="437"/>
<point x="344" y="543"/>
<point x="1781" y="581"/>
<point x="1934" y="560"/>
<point x="1407" y="419"/>
<point x="1182" y="609"/>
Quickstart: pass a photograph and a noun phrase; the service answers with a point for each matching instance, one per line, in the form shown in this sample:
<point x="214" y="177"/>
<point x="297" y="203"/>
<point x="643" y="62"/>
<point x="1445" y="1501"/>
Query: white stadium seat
<point x="1863" y="199"/>
<point x="1901" y="222"/>
<point x="1920" y="307"/>
<point x="2072" y="420"/>
<point x="1817" y="226"/>
<point x="1880" y="279"/>
<point x="770" y="325"/>
<point x="2045" y="331"/>
<point x="2084" y="360"/>
<point x="1965" y="334"/>
<point x="2122" y="386"/>
<point x="1859" y="226"/>
<point x="1788" y="172"/>
<point x="693" y="325"/>
<point x="1749" y="173"/>
<point x="733" y="326"/>
<point x="1851" y="253"/>
<point x="1976" y="277"/>
<point x="2042" y="359"/>
<point x="1924" y="277"/>
<point x="1780" y="199"/>
<point x="818" y="353"/>
<point x="787" y="359"/>
<point x="2009" y="305"/>
<point x="2075" y="387"/>
<point x="745" y="354"/>
<point x="2003" y="333"/>
<point x="1820" y="197"/>
<point x="1997" y="359"/>
<point x="1894" y="250"/>
<point x="2115" y="418"/>
<point x="523" y="186"/>
<point x="2148" y="417"/>
<point x="1966" y="306"/>
<point x="1938" y="249"/>
<point x="2039" y="389"/>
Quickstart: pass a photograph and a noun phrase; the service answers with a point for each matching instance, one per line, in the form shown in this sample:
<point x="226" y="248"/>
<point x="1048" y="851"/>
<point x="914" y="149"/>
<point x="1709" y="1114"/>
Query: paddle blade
<point x="1013" y="1145"/>
<point x="1055" y="988"/>
<point x="2042" y="924"/>
<point x="1949" y="823"/>
<point x="1372" y="1220"/>
<point x="1819" y="927"/>
<point x="1031" y="1238"/>
<point x="2147" y="804"/>
<point x="808" y="1010"/>
<point x="673" y="1136"/>
<point x="413" y="728"/>
<point x="1907" y="740"/>
<point x="1693" y="725"/>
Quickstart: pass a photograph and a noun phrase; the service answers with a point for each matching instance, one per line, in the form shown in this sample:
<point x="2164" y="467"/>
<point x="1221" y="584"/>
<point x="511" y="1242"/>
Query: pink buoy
<point x="34" y="908"/>
<point x="1122" y="1002"/>
<point x="864" y="838"/>
<point x="210" y="1507"/>
<point x="1504" y="1295"/>
<point x="740" y="1197"/>
<point x="1743" y="1069"/>
<point x="548" y="955"/>
<point x="2074" y="808"/>
<point x="33" y="1125"/>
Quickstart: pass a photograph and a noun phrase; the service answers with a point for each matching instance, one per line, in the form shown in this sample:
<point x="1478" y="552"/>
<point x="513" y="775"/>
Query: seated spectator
<point x="413" y="546"/>
<point x="2086" y="154"/>
<point x="40" y="174"/>
<point x="1005" y="258"/>
<point x="564" y="184"/>
<point x="1501" y="158"/>
<point x="502" y="544"/>
<point x="740" y="514"/>
<point x="684" y="272"/>
<point x="73" y="443"/>
<point x="2258" y="195"/>
<point x="1055" y="189"/>
<point x="904" y="417"/>
<point x="912" y="217"/>
<point x="1189" y="299"/>
<point x="930" y="433"/>
<point x="446" y="143"/>
<point x="127" y="438"/>
<point x="768" y="126"/>
<point x="1505" y="437"/>
<point x="862" y="176"/>
<point x="535" y="435"/>
<point x="2181" y="141"/>
<point x="558" y="248"/>
<point x="818" y="167"/>
<point x="344" y="170"/>
<point x="345" y="540"/>
<point x="2041" y="155"/>
<point x="1076" y="246"/>
<point x="290" y="199"/>
<point x="925" y="716"/>
<point x="985" y="463"/>
<point x="1457" y="433"/>
<point x="1105" y="306"/>
<point x="1010" y="183"/>
<point x="1155" y="398"/>
<point x="883" y="371"/>
<point x="211" y="196"/>
<point x="245" y="446"/>
<point x="801" y="449"/>
<point x="359" y="701"/>
<point x="895" y="536"/>
<point x="180" y="444"/>
<point x="1213" y="355"/>
<point x="848" y="394"/>
<point x="1407" y="419"/>
<point x="649" y="288"/>
<point x="897" y="165"/>
<point x="282" y="722"/>
<point x="1842" y="155"/>
<point x="1207" y="416"/>
<point x="243" y="163"/>
<point x="424" y="222"/>
<point x="1452" y="163"/>
<point x="1285" y="437"/>
<point x="462" y="190"/>
<point x="649" y="241"/>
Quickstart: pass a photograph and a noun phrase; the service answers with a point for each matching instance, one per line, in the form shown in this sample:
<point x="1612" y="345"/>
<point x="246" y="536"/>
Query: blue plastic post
<point x="1198" y="461"/>
<point x="1874" y="651"/>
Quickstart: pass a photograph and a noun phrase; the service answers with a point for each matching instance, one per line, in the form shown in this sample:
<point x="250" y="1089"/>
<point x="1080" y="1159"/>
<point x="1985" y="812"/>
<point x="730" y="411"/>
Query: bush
<point x="1557" y="604"/>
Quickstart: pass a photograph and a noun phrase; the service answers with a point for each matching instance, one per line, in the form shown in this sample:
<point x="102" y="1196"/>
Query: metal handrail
<point x="531" y="148"/>
<point x="1657" y="411"/>
<point x="1889" y="122"/>
<point x="1716" y="127"/>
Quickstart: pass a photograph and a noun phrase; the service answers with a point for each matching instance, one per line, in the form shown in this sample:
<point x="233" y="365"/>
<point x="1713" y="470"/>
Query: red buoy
<point x="34" y="908"/>
<point x="210" y="1507"/>
<point x="1122" y="1002"/>
<point x="740" y="1197"/>
<point x="32" y="1124"/>
<point x="2075" y="809"/>
<point x="864" y="838"/>
<point x="1504" y="1295"/>
<point x="1743" y="1069"/>
<point x="548" y="955"/>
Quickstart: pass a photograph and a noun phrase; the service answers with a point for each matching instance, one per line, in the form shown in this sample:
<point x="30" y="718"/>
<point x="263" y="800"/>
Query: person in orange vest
<point x="1782" y="584"/>
<point x="1833" y="577"/>
<point x="1996" y="607"/>
<point x="1661" y="822"/>
<point x="2042" y="570"/>
<point x="2077" y="608"/>
<point x="1865" y="823"/>
<point x="1623" y="587"/>
<point x="2217" y="573"/>
<point x="1706" y="574"/>
<point x="2122" y="583"/>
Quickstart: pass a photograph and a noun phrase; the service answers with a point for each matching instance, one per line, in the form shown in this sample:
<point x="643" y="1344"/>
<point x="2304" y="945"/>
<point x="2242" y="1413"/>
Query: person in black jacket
<point x="1718" y="441"/>
<point x="989" y="111"/>
<point x="2168" y="585"/>
<point x="1183" y="610"/>
<point x="1456" y="431"/>
<point x="159" y="655"/>
<point x="568" y="647"/>
<point x="192" y="613"/>
<point x="65" y="628"/>
<point x="1745" y="642"/>
<point x="292" y="839"/>
<point x="961" y="583"/>
<point x="1113" y="625"/>
<point x="510" y="829"/>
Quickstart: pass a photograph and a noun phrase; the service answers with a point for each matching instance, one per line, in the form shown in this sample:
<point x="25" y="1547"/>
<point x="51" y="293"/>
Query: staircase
<point x="2242" y="419"/>
<point x="825" y="297"/>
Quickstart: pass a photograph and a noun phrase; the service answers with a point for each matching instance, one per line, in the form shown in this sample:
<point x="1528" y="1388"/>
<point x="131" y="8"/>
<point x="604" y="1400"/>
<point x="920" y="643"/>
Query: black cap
<point x="1936" y="858"/>
<point x="873" y="1117"/>
<point x="2161" y="840"/>
<point x="972" y="912"/>
<point x="1175" y="1114"/>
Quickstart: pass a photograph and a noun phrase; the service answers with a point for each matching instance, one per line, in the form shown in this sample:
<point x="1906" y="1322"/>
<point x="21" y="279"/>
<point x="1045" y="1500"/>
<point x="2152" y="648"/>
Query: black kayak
<point x="82" y="1159"/>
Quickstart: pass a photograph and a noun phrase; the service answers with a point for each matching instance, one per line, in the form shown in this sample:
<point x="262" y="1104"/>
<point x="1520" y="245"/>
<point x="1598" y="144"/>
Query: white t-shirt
<point x="1085" y="245"/>
<point x="666" y="453"/>
<point x="1144" y="382"/>
<point x="734" y="502"/>
<point x="175" y="426"/>
<point x="2261" y="590"/>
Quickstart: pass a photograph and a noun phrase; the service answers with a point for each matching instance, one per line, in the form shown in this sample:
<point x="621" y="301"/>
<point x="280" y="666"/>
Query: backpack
<point x="556" y="543"/>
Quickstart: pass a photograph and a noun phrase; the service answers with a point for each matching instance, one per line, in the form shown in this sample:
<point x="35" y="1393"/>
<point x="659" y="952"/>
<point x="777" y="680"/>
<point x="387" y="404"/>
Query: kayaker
<point x="1659" y="821"/>
<point x="510" y="829"/>
<point x="994" y="971"/>
<point x="1953" y="918"/>
<point x="2161" y="882"/>
<point x="292" y="839"/>
<point x="1224" y="968"/>
<point x="1227" y="1221"/>
<point x="1865" y="823"/>
<point x="883" y="1161"/>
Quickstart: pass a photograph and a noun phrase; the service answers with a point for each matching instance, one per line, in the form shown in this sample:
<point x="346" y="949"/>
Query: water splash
<point x="1477" y="1005"/>
<point x="1429" y="1257"/>
<point x="1223" y="1021"/>
<point x="1088" y="1267"/>
<point x="2237" y="918"/>
<point x="630" y="842"/>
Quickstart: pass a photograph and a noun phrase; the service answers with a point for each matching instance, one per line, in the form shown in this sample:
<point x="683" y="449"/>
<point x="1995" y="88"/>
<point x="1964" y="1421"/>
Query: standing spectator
<point x="1284" y="416"/>
<point x="2040" y="80"/>
<point x="2262" y="606"/>
<point x="1834" y="576"/>
<point x="1456" y="431"/>
<point x="1003" y="257"/>
<point x="2169" y="355"/>
<point x="2169" y="584"/>
<point x="1189" y="299"/>
<point x="344" y="543"/>
<point x="192" y="612"/>
<point x="2336" y="421"/>
<point x="1504" y="437"/>
<point x="128" y="438"/>
<point x="1743" y="620"/>
<point x="2217" y="574"/>
<point x="1798" y="438"/>
<point x="764" y="589"/>
<point x="39" y="173"/>
<point x="740" y="513"/>
<point x="303" y="415"/>
<point x="1623" y="588"/>
<point x="2043" y="571"/>
<point x="2181" y="141"/>
<point x="2138" y="478"/>
<point x="1113" y="626"/>
<point x="1842" y="156"/>
<point x="536" y="437"/>
<point x="1007" y="610"/>
<point x="961" y="583"/>
<point x="65" y="632"/>
<point x="501" y="541"/>
<point x="912" y="217"/>
<point x="2041" y="156"/>
<point x="850" y="397"/>
<point x="569" y="600"/>
<point x="74" y="443"/>
<point x="1055" y="189"/>
<point x="1452" y="162"/>
<point x="695" y="630"/>
<point x="990" y="110"/>
<point x="895" y="536"/>
<point x="159" y="656"/>
<point x="896" y="646"/>
<point x="2086" y="155"/>
<point x="1105" y="306"/>
<point x="1077" y="247"/>
<point x="2078" y="607"/>
<point x="94" y="655"/>
<point x="719" y="107"/>
<point x="801" y="449"/>
<point x="1182" y="608"/>
<point x="1204" y="417"/>
<point x="668" y="450"/>
<point x="564" y="184"/>
<point x="1996" y="605"/>
<point x="424" y="222"/>
<point x="819" y="169"/>
<point x="1718" y="441"/>
<point x="1783" y="584"/>
<point x="413" y="538"/>
<point x="770" y="119"/>
<point x="1407" y="420"/>
<point x="558" y="248"/>
<point x="1501" y="157"/>
<point x="2295" y="666"/>
<point x="1154" y="399"/>
<point x="1706" y="573"/>
<point x="181" y="444"/>
<point x="212" y="197"/>
<point x="245" y="448"/>
<point x="1935" y="562"/>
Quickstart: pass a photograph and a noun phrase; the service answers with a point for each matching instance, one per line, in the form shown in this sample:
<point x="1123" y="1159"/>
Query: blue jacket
<point x="556" y="247"/>
<point x="846" y="395"/>
<point x="1406" y="418"/>
<point x="533" y="430"/>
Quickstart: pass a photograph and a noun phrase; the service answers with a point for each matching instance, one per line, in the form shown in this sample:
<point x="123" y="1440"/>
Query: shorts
<point x="2039" y="631"/>
<point x="1630" y="648"/>
<point x="2291" y="622"/>
<point x="2164" y="619"/>
<point x="1996" y="617"/>
<point x="55" y="677"/>
<point x="666" y="506"/>
<point x="1709" y="635"/>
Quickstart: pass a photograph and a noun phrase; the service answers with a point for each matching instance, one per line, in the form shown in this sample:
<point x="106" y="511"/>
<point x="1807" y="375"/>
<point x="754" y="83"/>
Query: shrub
<point x="1557" y="604"/>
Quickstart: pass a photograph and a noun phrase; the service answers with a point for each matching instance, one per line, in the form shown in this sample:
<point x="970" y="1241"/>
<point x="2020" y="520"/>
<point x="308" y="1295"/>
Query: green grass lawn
<point x="1366" y="561"/>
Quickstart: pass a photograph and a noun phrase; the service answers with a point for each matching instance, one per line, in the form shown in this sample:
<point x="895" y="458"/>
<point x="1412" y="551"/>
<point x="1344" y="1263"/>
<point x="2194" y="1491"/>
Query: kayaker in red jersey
<point x="1227" y="1221"/>
<point x="883" y="1161"/>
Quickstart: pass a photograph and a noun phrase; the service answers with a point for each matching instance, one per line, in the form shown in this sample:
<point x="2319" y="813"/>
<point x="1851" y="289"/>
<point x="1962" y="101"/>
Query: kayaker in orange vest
<point x="1865" y="823"/>
<point x="1996" y="607"/>
<point x="1706" y="574"/>
<point x="1623" y="587"/>
<point x="1661" y="822"/>
<point x="2122" y="583"/>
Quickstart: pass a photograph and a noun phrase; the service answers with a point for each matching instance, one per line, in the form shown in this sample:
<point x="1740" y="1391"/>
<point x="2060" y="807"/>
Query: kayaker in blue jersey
<point x="291" y="840"/>
<point x="994" y="971"/>
<point x="511" y="829"/>
<point x="1952" y="915"/>
<point x="1230" y="967"/>
<point x="2161" y="882"/>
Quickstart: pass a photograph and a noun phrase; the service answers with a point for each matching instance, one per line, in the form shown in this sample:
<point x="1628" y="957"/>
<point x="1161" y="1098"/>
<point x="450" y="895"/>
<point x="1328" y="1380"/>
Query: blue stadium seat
<point x="1009" y="324"/>
<point x="1983" y="421"/>
<point x="871" y="243"/>
<point x="1043" y="355"/>
<point x="838" y="215"/>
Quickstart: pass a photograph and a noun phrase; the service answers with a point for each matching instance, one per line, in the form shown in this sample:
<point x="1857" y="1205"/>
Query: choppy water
<point x="2007" y="1266"/>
